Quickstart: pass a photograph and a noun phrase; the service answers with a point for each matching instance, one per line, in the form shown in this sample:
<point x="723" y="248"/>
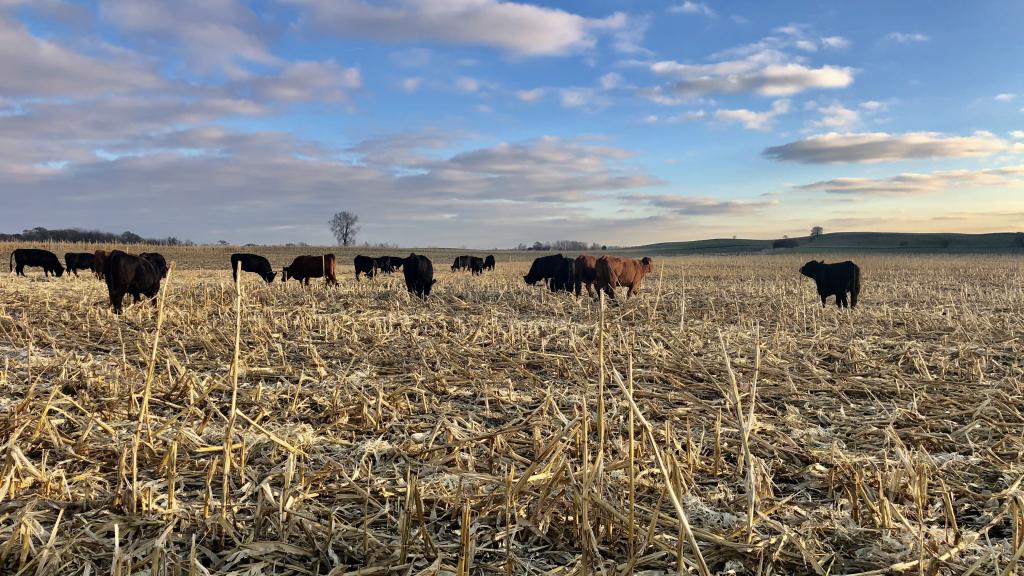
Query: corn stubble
<point x="720" y="423"/>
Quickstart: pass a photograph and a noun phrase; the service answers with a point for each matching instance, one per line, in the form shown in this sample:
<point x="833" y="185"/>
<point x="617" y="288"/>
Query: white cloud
<point x="689" y="7"/>
<point x="517" y="28"/>
<point x="752" y="120"/>
<point x="530" y="96"/>
<point x="882" y="147"/>
<point x="586" y="98"/>
<point x="767" y="72"/>
<point x="835" y="42"/>
<point x="874" y="106"/>
<point x="701" y="205"/>
<point x="806" y="45"/>
<point x="310" y="81"/>
<point x="611" y="80"/>
<point x="1017" y="134"/>
<point x="915" y="183"/>
<point x="835" y="116"/>
<point x="1005" y="97"/>
<point x="467" y="84"/>
<point x="907" y="37"/>
<point x="411" y="84"/>
<point x="690" y="116"/>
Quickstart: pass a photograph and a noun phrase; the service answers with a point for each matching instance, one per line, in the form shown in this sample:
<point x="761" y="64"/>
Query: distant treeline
<point x="567" y="245"/>
<point x="40" y="234"/>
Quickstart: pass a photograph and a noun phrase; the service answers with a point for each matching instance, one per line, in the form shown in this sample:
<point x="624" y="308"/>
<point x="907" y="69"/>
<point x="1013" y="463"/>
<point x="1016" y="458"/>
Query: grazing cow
<point x="612" y="271"/>
<point x="419" y="275"/>
<point x="158" y="262"/>
<point x="76" y="261"/>
<point x="564" y="278"/>
<point x="384" y="264"/>
<point x="395" y="262"/>
<point x="544" y="268"/>
<point x="476" y="265"/>
<point x="461" y="262"/>
<point x="364" y="265"/>
<point x="586" y="274"/>
<point x="35" y="257"/>
<point x="835" y="280"/>
<point x="128" y="274"/>
<point x="100" y="261"/>
<point x="489" y="262"/>
<point x="305" y="267"/>
<point x="252" y="263"/>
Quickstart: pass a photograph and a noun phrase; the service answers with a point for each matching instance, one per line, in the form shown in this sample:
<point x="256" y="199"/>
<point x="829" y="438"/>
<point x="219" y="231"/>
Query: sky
<point x="482" y="123"/>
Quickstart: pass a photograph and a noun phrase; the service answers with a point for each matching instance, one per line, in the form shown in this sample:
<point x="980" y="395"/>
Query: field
<point x="721" y="422"/>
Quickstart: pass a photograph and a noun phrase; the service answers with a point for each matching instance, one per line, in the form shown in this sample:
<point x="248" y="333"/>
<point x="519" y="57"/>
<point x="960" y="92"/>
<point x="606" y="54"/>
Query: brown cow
<point x="612" y="271"/>
<point x="100" y="261"/>
<point x="586" y="273"/>
<point x="305" y="267"/>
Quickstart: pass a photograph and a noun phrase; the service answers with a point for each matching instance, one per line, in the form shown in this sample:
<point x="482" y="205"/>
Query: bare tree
<point x="817" y="231"/>
<point x="344" y="226"/>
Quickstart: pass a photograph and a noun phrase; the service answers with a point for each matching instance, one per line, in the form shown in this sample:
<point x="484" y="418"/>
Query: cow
<point x="564" y="278"/>
<point x="612" y="271"/>
<point x="489" y="262"/>
<point x="158" y="262"/>
<point x="461" y="262"/>
<point x="835" y="280"/>
<point x="386" y="264"/>
<point x="364" y="265"/>
<point x="476" y="265"/>
<point x="303" y="268"/>
<point x="128" y="274"/>
<point x="544" y="268"/>
<point x="76" y="261"/>
<point x="419" y="275"/>
<point x="252" y="263"/>
<point x="100" y="261"/>
<point x="586" y="274"/>
<point x="35" y="257"/>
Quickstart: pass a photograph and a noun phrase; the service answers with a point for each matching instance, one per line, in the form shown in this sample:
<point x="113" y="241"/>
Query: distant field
<point x="943" y="243"/>
<point x="488" y="430"/>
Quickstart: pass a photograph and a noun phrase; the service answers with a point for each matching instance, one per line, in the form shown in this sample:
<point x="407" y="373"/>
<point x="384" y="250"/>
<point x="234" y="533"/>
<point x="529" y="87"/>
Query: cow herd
<point x="141" y="274"/>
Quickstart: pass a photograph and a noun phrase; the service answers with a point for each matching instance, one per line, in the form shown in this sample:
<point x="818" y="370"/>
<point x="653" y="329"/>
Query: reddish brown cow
<point x="586" y="273"/>
<point x="100" y="261"/>
<point x="305" y="267"/>
<point x="612" y="271"/>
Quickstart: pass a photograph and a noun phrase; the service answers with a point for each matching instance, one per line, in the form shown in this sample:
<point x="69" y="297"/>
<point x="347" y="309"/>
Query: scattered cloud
<point x="531" y="96"/>
<point x="1005" y="97"/>
<point x="689" y="7"/>
<point x="700" y="205"/>
<point x="914" y="183"/>
<point x="585" y="98"/>
<point x="467" y="84"/>
<point x="411" y="84"/>
<point x="1017" y="134"/>
<point x="907" y="37"/>
<point x="835" y="42"/>
<point x="754" y="120"/>
<point x="883" y="147"/>
<point x="520" y="29"/>
<point x="306" y="81"/>
<point x="690" y="116"/>
<point x="611" y="80"/>
<point x="835" y="116"/>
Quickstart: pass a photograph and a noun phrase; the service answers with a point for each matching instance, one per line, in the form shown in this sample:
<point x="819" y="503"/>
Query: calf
<point x="586" y="274"/>
<point x="252" y="263"/>
<point x="37" y="258"/>
<point x="364" y="265"/>
<point x="835" y="280"/>
<point x="419" y="275"/>
<point x="128" y="274"/>
<point x="611" y="271"/>
<point x="76" y="261"/>
<point x="489" y="262"/>
<point x="305" y="267"/>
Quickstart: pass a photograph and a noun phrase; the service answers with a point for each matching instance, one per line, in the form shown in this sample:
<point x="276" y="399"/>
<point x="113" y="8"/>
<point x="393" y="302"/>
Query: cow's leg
<point x="840" y="299"/>
<point x="116" y="299"/>
<point x="853" y="298"/>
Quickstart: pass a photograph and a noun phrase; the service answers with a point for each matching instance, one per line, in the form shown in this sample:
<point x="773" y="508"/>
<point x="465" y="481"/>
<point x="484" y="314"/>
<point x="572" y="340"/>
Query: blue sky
<point x="484" y="124"/>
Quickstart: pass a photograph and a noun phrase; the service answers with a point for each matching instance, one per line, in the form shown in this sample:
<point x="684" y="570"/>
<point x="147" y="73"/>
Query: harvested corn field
<point x="722" y="422"/>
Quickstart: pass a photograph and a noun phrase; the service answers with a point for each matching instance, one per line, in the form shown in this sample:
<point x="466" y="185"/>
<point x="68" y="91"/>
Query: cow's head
<point x="812" y="269"/>
<point x="269" y="277"/>
<point x="646" y="264"/>
<point x="60" y="271"/>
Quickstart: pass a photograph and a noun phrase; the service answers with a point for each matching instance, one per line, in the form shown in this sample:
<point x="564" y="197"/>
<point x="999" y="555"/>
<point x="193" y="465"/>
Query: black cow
<point x="564" y="279"/>
<point x="395" y="262"/>
<point x="252" y="263"/>
<point x="365" y="265"/>
<point x="545" y="268"/>
<point x="419" y="275"/>
<point x="128" y="274"/>
<point x="35" y="257"/>
<point x="461" y="262"/>
<point x="158" y="262"/>
<point x="835" y="280"/>
<point x="489" y="262"/>
<point x="80" y="261"/>
<point x="476" y="265"/>
<point x="385" y="264"/>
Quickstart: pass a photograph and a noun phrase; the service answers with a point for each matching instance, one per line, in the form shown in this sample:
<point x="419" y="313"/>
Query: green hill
<point x="1003" y="242"/>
